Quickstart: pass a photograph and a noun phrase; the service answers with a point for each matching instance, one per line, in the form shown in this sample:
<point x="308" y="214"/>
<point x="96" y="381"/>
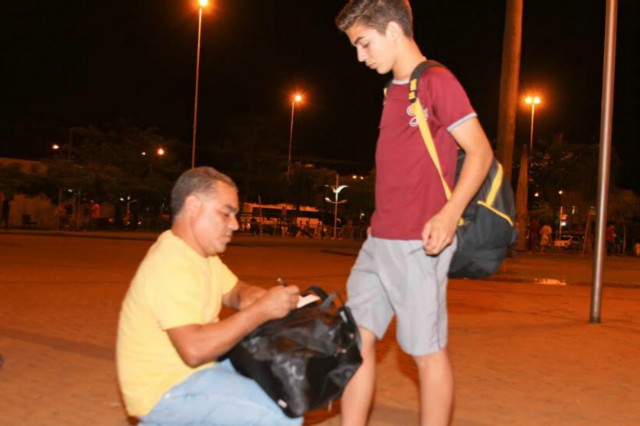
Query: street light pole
<point x="297" y="98"/>
<point x="533" y="101"/>
<point x="203" y="3"/>
<point x="336" y="190"/>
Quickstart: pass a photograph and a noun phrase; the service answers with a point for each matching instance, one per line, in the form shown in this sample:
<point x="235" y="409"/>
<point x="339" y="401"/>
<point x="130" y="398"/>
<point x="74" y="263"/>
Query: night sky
<point x="78" y="63"/>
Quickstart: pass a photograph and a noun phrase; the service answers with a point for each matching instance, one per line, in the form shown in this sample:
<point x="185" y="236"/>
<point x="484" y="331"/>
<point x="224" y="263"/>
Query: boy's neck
<point x="408" y="58"/>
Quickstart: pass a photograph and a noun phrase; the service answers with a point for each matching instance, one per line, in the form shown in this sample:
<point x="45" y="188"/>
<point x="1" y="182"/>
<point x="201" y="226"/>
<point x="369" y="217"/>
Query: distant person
<point x="85" y="222"/>
<point x="253" y="226"/>
<point x="402" y="267"/>
<point x="170" y="335"/>
<point x="6" y="210"/>
<point x="534" y="234"/>
<point x="545" y="237"/>
<point x="610" y="238"/>
<point x="61" y="216"/>
<point x="95" y="214"/>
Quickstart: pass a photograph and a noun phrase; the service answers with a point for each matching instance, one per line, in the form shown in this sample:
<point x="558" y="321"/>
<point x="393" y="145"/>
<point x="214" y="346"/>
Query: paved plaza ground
<point x="523" y="350"/>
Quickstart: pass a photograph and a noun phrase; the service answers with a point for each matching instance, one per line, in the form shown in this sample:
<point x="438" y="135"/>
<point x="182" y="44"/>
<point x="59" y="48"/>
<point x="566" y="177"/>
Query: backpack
<point x="486" y="232"/>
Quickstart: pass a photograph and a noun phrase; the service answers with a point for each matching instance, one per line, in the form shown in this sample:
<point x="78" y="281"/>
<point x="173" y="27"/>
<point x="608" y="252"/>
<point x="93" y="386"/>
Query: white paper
<point x="305" y="300"/>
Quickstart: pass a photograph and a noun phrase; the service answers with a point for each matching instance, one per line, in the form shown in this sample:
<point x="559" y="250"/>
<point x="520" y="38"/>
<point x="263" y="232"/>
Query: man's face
<point x="374" y="49"/>
<point x="215" y="220"/>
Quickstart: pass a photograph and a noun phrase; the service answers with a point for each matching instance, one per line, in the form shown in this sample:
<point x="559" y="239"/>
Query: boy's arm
<point x="438" y="232"/>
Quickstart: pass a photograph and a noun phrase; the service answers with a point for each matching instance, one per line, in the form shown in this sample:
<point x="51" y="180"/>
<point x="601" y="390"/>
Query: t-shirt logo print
<point x="413" y="122"/>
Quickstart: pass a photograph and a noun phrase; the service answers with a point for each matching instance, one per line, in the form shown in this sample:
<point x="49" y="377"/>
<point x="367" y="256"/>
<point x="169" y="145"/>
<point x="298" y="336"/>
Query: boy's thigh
<point x="421" y="306"/>
<point x="217" y="396"/>
<point x="397" y="277"/>
<point x="367" y="298"/>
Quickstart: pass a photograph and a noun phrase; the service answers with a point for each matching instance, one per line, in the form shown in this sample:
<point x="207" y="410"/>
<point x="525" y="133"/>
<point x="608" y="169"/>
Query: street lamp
<point x="533" y="101"/>
<point x="202" y="3"/>
<point x="336" y="190"/>
<point x="295" y="99"/>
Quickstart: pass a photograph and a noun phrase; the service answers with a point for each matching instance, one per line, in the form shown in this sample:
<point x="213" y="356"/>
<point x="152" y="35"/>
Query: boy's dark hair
<point x="200" y="180"/>
<point x="376" y="14"/>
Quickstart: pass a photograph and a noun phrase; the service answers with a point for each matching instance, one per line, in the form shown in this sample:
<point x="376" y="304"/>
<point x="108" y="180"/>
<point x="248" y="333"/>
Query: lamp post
<point x="203" y="3"/>
<point x="522" y="191"/>
<point x="295" y="99"/>
<point x="533" y="101"/>
<point x="336" y="190"/>
<point x="560" y="217"/>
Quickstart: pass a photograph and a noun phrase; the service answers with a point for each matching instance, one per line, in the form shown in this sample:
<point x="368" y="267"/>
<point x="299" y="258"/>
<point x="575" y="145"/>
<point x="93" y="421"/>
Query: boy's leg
<point x="372" y="312"/>
<point x="436" y="388"/>
<point x="358" y="395"/>
<point x="423" y="331"/>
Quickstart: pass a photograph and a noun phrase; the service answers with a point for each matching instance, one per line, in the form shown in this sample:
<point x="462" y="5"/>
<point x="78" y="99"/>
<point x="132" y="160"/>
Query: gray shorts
<point x="397" y="277"/>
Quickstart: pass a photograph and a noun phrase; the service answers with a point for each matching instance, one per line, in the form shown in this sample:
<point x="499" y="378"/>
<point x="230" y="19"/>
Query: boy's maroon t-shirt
<point x="408" y="189"/>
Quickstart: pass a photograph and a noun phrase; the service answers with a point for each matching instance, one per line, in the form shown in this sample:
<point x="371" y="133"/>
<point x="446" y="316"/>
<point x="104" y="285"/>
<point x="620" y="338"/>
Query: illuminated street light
<point x="203" y="3"/>
<point x="533" y="101"/>
<point x="295" y="99"/>
<point x="336" y="190"/>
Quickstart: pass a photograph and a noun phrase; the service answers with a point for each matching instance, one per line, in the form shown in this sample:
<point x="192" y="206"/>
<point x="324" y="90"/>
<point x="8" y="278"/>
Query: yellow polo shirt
<point x="174" y="286"/>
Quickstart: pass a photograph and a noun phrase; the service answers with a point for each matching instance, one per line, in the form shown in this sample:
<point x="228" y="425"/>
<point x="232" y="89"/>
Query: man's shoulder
<point x="167" y="252"/>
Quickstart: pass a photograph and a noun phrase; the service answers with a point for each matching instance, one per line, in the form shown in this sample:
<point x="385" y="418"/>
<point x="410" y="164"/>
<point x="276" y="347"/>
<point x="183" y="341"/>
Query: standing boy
<point x="402" y="267"/>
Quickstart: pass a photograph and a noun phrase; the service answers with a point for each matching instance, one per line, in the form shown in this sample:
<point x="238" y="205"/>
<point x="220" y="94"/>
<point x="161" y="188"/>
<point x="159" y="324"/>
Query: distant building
<point x="37" y="210"/>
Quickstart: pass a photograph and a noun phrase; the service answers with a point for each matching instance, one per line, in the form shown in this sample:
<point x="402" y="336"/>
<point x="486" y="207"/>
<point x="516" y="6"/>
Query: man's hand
<point x="278" y="301"/>
<point x="438" y="232"/>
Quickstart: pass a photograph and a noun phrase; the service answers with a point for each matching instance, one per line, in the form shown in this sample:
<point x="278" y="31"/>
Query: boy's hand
<point x="438" y="233"/>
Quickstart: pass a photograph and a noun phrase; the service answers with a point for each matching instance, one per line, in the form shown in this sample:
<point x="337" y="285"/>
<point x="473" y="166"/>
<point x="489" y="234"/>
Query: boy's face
<point x="374" y="49"/>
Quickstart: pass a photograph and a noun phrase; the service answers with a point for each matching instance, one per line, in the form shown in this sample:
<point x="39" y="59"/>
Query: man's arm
<point x="201" y="343"/>
<point x="438" y="232"/>
<point x="242" y="295"/>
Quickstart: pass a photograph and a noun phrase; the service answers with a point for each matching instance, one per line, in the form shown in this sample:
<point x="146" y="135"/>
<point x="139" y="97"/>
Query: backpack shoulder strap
<point x="417" y="73"/>
<point x="415" y="77"/>
<point x="418" y="112"/>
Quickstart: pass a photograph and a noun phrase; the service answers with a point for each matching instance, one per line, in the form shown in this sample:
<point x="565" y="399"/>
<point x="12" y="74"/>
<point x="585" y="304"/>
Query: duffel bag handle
<point x="327" y="299"/>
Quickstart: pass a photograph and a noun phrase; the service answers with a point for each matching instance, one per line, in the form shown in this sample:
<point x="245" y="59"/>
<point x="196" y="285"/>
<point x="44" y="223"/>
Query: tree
<point x="509" y="83"/>
<point x="12" y="179"/>
<point x="116" y="164"/>
<point x="559" y="165"/>
<point x="253" y="154"/>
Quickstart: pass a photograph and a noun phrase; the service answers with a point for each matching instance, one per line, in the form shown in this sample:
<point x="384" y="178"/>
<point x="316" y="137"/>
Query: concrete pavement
<point x="523" y="353"/>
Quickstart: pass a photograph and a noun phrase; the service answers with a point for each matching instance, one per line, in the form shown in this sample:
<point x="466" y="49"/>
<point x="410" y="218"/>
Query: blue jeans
<point x="217" y="396"/>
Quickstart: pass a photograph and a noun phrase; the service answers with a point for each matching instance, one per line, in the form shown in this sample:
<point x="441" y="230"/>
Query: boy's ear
<point x="394" y="30"/>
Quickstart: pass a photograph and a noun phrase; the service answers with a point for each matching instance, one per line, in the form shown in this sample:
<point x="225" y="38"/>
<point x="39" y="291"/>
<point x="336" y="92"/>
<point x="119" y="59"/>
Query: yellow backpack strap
<point x="428" y="141"/>
<point x="418" y="112"/>
<point x="495" y="186"/>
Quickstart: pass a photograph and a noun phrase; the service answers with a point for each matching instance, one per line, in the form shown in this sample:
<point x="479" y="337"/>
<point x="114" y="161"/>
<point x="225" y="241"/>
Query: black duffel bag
<point x="304" y="360"/>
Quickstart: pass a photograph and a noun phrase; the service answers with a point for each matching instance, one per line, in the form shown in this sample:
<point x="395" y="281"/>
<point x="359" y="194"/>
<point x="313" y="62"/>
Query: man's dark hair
<point x="376" y="14"/>
<point x="200" y="180"/>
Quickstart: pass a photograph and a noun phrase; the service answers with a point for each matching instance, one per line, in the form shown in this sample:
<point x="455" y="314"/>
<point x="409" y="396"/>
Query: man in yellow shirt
<point x="170" y="335"/>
